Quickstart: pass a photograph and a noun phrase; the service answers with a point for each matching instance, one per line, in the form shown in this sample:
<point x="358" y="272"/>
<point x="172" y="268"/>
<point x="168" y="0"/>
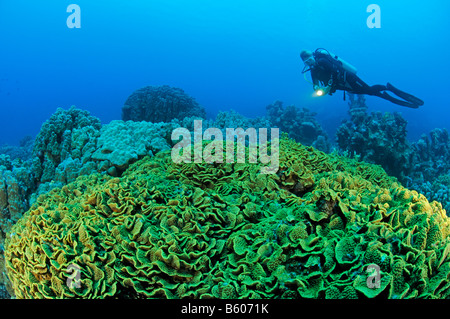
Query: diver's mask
<point x="310" y="61"/>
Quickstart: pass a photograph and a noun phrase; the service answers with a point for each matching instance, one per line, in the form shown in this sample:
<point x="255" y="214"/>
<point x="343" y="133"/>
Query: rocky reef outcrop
<point x="299" y="123"/>
<point x="68" y="137"/>
<point x="423" y="165"/>
<point x="160" y="104"/>
<point x="22" y="152"/>
<point x="376" y="138"/>
<point x="430" y="172"/>
<point x="123" y="142"/>
<point x="431" y="155"/>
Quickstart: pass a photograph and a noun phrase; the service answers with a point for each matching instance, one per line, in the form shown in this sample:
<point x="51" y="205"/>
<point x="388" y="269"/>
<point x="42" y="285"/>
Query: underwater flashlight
<point x="319" y="92"/>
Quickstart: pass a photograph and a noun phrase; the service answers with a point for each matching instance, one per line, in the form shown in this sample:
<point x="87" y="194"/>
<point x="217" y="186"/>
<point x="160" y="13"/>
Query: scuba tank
<point x="345" y="65"/>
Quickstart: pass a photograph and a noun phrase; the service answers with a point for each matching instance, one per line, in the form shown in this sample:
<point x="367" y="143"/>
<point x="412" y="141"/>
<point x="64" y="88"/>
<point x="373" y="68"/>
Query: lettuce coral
<point x="166" y="230"/>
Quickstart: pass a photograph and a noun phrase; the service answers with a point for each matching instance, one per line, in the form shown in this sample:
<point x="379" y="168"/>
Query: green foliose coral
<point x="166" y="230"/>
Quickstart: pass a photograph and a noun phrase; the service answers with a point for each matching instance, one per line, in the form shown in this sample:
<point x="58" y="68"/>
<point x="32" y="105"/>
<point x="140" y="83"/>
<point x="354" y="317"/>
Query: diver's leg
<point x="386" y="96"/>
<point x="404" y="95"/>
<point x="355" y="85"/>
<point x="379" y="90"/>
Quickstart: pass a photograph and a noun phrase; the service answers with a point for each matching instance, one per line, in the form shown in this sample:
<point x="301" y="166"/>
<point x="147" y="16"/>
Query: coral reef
<point x="357" y="107"/>
<point x="67" y="135"/>
<point x="166" y="230"/>
<point x="300" y="124"/>
<point x="431" y="156"/>
<point x="70" y="144"/>
<point x="121" y="143"/>
<point x="430" y="172"/>
<point x="381" y="139"/>
<point x="73" y="143"/>
<point x="160" y="104"/>
<point x="108" y="218"/>
<point x="232" y="119"/>
<point x="15" y="188"/>
<point x="6" y="291"/>
<point x="437" y="189"/>
<point x="376" y="138"/>
<point x="22" y="152"/>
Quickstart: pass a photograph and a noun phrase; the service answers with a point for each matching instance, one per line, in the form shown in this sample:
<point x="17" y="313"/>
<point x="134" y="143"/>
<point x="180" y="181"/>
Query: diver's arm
<point x="326" y="90"/>
<point x="323" y="70"/>
<point x="314" y="78"/>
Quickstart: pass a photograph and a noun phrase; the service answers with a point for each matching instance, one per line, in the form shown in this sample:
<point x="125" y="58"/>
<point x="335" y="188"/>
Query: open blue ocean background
<point x="240" y="55"/>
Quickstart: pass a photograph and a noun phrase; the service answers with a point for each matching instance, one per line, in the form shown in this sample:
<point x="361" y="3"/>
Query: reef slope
<point x="164" y="230"/>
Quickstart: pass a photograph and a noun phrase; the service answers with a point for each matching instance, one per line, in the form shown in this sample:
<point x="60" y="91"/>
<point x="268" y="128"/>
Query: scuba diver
<point x="330" y="73"/>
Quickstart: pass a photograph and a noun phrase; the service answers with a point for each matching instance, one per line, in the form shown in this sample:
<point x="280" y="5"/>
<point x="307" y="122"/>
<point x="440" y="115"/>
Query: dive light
<point x="320" y="91"/>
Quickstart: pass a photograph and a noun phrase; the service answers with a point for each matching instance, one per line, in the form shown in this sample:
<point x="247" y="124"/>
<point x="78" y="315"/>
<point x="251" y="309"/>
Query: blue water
<point x="240" y="55"/>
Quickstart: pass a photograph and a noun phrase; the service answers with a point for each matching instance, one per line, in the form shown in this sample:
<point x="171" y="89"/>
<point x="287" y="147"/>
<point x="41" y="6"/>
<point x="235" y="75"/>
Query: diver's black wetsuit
<point x="329" y="71"/>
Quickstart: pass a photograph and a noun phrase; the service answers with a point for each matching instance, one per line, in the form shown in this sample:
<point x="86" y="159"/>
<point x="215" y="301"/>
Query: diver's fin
<point x="392" y="99"/>
<point x="404" y="95"/>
